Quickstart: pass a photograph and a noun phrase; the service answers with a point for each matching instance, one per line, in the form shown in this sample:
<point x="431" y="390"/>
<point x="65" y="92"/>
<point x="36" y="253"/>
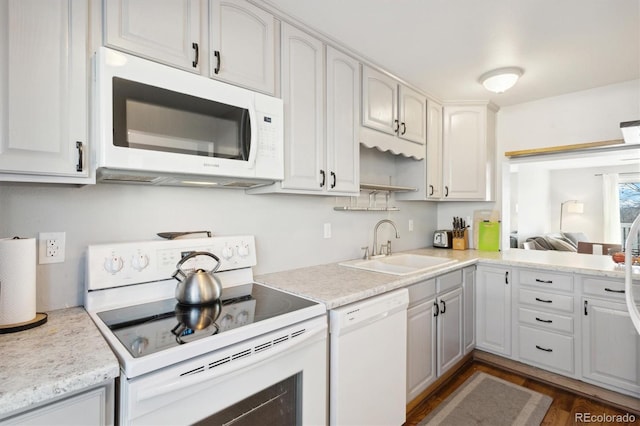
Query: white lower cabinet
<point x="469" y="300"/>
<point x="545" y="312"/>
<point x="493" y="309"/>
<point x="435" y="329"/>
<point x="421" y="341"/>
<point x="610" y="343"/>
<point x="450" y="329"/>
<point x="92" y="407"/>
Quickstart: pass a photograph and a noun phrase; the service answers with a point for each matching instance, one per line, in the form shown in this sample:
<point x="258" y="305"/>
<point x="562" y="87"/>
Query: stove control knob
<point x="227" y="252"/>
<point x="243" y="250"/>
<point x="113" y="264"/>
<point x="139" y="345"/>
<point x="139" y="262"/>
<point x="226" y="321"/>
<point x="242" y="317"/>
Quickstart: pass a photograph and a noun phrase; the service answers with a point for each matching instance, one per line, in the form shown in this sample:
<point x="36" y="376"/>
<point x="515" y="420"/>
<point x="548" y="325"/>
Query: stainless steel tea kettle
<point x="200" y="286"/>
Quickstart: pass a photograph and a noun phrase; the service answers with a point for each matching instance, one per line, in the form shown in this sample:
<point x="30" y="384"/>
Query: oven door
<point x="280" y="376"/>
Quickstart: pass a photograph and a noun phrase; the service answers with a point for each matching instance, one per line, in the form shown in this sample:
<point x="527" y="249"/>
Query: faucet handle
<point x="388" y="247"/>
<point x="366" y="255"/>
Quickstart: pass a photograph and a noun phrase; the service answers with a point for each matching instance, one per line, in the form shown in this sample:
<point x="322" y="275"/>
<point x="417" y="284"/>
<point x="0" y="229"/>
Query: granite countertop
<point x="326" y="283"/>
<point x="65" y="355"/>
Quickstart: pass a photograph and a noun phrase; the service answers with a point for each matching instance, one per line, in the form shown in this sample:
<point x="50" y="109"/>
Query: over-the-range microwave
<point x="158" y="125"/>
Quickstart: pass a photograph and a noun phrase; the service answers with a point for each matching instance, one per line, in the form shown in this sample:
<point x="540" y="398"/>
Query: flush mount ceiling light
<point x="501" y="79"/>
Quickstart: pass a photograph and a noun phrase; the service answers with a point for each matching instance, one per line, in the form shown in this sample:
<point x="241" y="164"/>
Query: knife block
<point x="460" y="243"/>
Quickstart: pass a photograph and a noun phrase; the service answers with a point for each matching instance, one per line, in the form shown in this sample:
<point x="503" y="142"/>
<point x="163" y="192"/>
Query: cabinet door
<point x="379" y="101"/>
<point x="94" y="407"/>
<point x="469" y="314"/>
<point x="421" y="344"/>
<point x="493" y="310"/>
<point x="43" y="87"/>
<point x="343" y="101"/>
<point x="465" y="152"/>
<point x="412" y="113"/>
<point x="303" y="96"/>
<point x="434" y="150"/>
<point x="164" y="30"/>
<point x="610" y="345"/>
<point x="243" y="43"/>
<point x="450" y="325"/>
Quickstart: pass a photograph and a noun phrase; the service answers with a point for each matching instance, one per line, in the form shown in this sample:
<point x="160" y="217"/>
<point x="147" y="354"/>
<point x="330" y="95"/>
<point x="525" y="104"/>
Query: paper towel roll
<point x="17" y="280"/>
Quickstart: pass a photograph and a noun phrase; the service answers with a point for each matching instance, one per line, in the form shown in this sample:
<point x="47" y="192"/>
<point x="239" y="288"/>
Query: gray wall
<point x="288" y="228"/>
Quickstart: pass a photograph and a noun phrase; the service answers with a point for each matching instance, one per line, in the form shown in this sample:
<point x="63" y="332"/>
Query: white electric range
<point x="256" y="354"/>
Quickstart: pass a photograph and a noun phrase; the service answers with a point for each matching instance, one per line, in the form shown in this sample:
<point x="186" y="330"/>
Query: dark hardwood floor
<point x="563" y="409"/>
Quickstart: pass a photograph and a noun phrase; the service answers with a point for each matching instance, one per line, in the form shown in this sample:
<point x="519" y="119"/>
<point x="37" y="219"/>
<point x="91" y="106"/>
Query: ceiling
<point x="443" y="46"/>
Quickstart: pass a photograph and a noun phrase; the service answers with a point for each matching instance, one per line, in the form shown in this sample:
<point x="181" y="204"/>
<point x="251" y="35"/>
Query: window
<point x="629" y="199"/>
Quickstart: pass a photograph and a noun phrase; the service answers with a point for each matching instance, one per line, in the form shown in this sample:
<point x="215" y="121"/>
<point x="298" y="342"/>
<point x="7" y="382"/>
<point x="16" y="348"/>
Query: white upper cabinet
<point x="164" y="30"/>
<point x="412" y="115"/>
<point x="43" y="91"/>
<point x="379" y="101"/>
<point x="302" y="93"/>
<point x="343" y="105"/>
<point x="243" y="43"/>
<point x="321" y="100"/>
<point x="468" y="152"/>
<point x="395" y="113"/>
<point x="433" y="190"/>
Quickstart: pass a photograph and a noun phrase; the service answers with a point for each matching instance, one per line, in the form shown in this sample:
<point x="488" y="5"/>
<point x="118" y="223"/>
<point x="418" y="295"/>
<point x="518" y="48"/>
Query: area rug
<point x="487" y="400"/>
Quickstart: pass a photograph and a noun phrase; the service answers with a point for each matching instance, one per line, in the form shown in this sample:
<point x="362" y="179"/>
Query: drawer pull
<point x="543" y="301"/>
<point x="613" y="291"/>
<point x="538" y="280"/>
<point x="543" y="320"/>
<point x="544" y="349"/>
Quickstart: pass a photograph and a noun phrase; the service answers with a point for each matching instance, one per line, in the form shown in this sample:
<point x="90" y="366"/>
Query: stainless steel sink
<point x="400" y="264"/>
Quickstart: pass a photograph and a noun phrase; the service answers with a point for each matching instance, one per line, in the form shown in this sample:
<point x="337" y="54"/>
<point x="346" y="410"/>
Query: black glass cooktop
<point x="152" y="327"/>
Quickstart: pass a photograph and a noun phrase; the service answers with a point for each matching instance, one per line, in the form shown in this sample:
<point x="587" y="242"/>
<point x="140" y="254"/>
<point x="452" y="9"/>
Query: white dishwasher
<point x="368" y="361"/>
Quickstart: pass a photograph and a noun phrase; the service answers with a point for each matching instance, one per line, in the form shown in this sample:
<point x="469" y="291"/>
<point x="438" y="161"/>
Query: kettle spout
<point x="179" y="275"/>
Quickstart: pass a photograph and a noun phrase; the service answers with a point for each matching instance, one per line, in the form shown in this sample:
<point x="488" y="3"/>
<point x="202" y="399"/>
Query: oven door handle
<point x="207" y="373"/>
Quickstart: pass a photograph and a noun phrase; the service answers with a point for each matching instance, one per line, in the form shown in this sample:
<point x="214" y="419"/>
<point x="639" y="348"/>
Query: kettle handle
<point x="194" y="254"/>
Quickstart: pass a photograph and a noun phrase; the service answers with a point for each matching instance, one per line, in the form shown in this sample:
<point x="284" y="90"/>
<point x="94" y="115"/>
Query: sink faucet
<point x="375" y="236"/>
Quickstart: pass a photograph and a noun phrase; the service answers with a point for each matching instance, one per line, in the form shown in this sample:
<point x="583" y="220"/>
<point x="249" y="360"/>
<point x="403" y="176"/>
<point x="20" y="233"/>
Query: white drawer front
<point x="552" y="322"/>
<point x="448" y="281"/>
<point x="609" y="288"/>
<point x="546" y="300"/>
<point x="545" y="348"/>
<point x="555" y="281"/>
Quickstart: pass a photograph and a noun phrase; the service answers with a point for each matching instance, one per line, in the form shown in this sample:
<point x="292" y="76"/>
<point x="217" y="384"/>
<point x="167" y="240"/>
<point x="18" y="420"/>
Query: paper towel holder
<point x="41" y="318"/>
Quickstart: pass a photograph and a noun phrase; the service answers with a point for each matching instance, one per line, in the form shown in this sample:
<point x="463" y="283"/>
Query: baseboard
<point x="615" y="399"/>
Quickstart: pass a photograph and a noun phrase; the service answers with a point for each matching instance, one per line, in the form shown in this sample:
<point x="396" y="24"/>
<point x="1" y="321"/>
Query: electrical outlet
<point x="410" y="225"/>
<point x="51" y="247"/>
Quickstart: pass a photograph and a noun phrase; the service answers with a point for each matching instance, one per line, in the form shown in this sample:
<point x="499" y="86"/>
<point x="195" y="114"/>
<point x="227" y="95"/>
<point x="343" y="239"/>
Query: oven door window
<point x="156" y="119"/>
<point x="279" y="404"/>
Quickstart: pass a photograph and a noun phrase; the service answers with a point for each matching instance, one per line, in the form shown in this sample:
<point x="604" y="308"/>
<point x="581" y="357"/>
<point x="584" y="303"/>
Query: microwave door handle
<point x="253" y="122"/>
